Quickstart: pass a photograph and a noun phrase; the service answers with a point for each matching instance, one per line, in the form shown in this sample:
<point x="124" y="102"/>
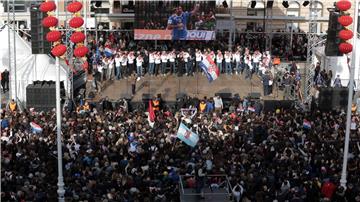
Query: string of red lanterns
<point x="51" y="22"/>
<point x="345" y="20"/>
<point x="78" y="36"/>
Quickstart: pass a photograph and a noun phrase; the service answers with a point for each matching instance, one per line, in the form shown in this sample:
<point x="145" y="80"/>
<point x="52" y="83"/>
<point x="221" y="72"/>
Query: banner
<point x="156" y="34"/>
<point x="187" y="136"/>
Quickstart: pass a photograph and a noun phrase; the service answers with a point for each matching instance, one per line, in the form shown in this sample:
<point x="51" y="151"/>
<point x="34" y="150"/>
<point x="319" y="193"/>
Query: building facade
<point x="247" y="15"/>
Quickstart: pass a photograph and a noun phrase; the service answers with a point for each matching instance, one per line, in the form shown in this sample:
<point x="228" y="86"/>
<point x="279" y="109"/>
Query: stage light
<point x="285" y="4"/>
<point x="306" y="3"/>
<point x="253" y="4"/>
<point x="224" y="3"/>
<point x="269" y="4"/>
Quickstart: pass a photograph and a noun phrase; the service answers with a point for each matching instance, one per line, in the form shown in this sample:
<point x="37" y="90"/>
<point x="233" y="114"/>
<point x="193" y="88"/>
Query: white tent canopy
<point x="29" y="67"/>
<point x="339" y="66"/>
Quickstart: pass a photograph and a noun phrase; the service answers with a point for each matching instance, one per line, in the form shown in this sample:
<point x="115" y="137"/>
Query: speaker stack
<point x="41" y="95"/>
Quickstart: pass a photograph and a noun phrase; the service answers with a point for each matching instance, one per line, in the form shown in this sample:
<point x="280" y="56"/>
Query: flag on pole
<point x="108" y="52"/>
<point x="35" y="127"/>
<point x="187" y="136"/>
<point x="210" y="68"/>
<point x="151" y="114"/>
<point x="306" y="124"/>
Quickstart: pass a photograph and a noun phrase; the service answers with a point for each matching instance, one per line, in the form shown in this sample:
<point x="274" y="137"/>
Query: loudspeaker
<point x="325" y="99"/>
<point x="39" y="44"/>
<point x="272" y="105"/>
<point x="332" y="40"/>
<point x="146" y="97"/>
<point x="224" y="3"/>
<point x="224" y="95"/>
<point x="285" y="4"/>
<point x="253" y="4"/>
<point x="339" y="98"/>
<point x="254" y="95"/>
<point x="180" y="96"/>
<point x="41" y="95"/>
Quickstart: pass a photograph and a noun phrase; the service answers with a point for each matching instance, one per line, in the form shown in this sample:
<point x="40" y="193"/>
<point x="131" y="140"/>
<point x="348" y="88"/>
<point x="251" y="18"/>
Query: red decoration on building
<point x="53" y="36"/>
<point x="47" y="6"/>
<point x="81" y="51"/>
<point x="76" y="22"/>
<point x="343" y="5"/>
<point x="345" y="48"/>
<point x="59" y="50"/>
<point x="77" y="37"/>
<point x="74" y="7"/>
<point x="345" y="20"/>
<point x="345" y="34"/>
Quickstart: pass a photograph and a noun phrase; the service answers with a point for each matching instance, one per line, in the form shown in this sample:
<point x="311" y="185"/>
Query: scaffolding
<point x="312" y="42"/>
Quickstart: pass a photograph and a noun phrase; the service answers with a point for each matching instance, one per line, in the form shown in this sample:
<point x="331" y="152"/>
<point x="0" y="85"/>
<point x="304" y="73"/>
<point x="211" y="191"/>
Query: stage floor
<point x="170" y="85"/>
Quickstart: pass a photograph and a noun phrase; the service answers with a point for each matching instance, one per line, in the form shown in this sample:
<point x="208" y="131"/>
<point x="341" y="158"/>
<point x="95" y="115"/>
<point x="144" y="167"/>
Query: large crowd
<point x="113" y="154"/>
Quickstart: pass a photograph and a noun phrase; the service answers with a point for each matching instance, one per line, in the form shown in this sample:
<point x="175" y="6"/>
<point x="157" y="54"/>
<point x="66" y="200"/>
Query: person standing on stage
<point x="198" y="58"/>
<point x="157" y="62"/>
<point x="131" y="58"/>
<point x="139" y="62"/>
<point x="151" y="63"/>
<point x="228" y="62"/>
<point x="164" y="58"/>
<point x="124" y="60"/>
<point x="172" y="57"/>
<point x="219" y="60"/>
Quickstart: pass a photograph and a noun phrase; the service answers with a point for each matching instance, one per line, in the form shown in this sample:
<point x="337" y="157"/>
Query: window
<point x="257" y="11"/>
<point x="317" y="8"/>
<point x="293" y="11"/>
<point x="19" y="6"/>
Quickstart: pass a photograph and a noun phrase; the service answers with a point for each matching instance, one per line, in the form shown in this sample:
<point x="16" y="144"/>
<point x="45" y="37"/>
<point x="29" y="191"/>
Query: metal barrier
<point x="216" y="188"/>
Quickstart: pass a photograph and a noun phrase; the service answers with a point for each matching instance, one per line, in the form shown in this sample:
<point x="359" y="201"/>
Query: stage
<point x="170" y="85"/>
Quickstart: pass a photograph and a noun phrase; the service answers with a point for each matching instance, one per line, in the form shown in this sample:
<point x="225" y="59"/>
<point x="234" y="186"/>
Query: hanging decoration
<point x="346" y="34"/>
<point x="80" y="51"/>
<point x="47" y="6"/>
<point x="53" y="36"/>
<point x="345" y="20"/>
<point x="76" y="22"/>
<point x="343" y="5"/>
<point x="51" y="22"/>
<point x="78" y="37"/>
<point x="345" y="47"/>
<point x="74" y="7"/>
<point x="59" y="50"/>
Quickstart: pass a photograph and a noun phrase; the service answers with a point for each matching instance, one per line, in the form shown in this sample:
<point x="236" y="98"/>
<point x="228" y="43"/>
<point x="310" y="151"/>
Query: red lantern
<point x="59" y="50"/>
<point x="47" y="6"/>
<point x="81" y="51"/>
<point x="50" y="21"/>
<point x="345" y="34"/>
<point x="76" y="22"/>
<point x="74" y="7"/>
<point x="77" y="37"/>
<point x="345" y="20"/>
<point x="53" y="36"/>
<point x="345" y="48"/>
<point x="343" y="5"/>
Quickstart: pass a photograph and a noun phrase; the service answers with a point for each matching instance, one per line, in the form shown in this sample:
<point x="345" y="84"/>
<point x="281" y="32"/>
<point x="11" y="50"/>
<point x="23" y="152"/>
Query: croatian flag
<point x="35" y="127"/>
<point x="306" y="124"/>
<point x="108" y="52"/>
<point x="210" y="68"/>
<point x="151" y="115"/>
<point x="252" y="109"/>
<point x="186" y="135"/>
